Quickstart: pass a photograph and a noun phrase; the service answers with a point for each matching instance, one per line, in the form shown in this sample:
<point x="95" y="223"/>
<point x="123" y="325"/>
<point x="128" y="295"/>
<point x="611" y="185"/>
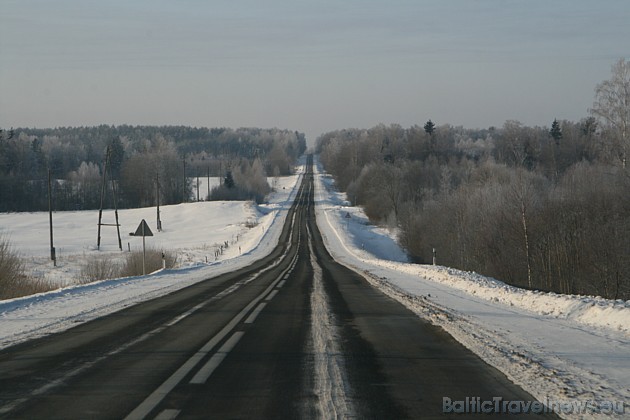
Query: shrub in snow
<point x="153" y="262"/>
<point x="13" y="282"/>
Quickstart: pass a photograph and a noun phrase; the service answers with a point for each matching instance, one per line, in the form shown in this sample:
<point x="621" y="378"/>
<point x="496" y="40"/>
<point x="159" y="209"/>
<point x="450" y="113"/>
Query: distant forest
<point x="140" y="159"/>
<point x="543" y="208"/>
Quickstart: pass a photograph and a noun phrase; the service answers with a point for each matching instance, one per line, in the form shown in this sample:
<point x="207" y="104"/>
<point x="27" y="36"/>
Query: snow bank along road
<point x="292" y="335"/>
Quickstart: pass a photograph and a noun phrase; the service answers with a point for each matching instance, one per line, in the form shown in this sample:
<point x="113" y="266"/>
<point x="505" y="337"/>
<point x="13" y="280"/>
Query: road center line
<point x="271" y="295"/>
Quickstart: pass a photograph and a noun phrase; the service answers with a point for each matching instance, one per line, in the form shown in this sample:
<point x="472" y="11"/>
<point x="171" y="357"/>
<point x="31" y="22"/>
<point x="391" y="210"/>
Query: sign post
<point x="143" y="230"/>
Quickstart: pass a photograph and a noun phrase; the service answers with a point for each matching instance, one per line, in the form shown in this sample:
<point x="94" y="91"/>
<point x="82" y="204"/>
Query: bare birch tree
<point x="612" y="105"/>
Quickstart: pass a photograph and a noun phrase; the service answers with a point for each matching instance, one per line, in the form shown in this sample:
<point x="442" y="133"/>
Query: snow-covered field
<point x="192" y="231"/>
<point x="559" y="348"/>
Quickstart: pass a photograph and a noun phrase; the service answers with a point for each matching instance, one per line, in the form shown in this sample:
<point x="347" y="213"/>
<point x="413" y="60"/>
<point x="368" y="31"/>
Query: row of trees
<point x="538" y="207"/>
<point x="140" y="158"/>
<point x="246" y="181"/>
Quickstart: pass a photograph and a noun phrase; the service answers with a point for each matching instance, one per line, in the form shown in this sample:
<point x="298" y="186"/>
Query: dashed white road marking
<point x="152" y="401"/>
<point x="271" y="295"/>
<point x="252" y="317"/>
<point x="169" y="414"/>
<point x="204" y="373"/>
<point x="167" y="386"/>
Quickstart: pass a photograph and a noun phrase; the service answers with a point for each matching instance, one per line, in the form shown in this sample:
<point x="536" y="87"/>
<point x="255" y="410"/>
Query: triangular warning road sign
<point x="143" y="229"/>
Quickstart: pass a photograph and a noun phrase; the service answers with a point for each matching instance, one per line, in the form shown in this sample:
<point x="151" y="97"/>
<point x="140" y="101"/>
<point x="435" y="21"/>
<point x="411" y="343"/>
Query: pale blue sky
<point x="307" y="65"/>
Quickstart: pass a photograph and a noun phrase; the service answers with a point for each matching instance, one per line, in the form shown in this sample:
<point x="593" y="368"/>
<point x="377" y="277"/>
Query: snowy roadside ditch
<point x="556" y="347"/>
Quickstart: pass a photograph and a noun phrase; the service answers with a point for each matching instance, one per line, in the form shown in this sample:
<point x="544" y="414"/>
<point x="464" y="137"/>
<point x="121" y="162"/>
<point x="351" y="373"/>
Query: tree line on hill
<point x="141" y="158"/>
<point x="538" y="207"/>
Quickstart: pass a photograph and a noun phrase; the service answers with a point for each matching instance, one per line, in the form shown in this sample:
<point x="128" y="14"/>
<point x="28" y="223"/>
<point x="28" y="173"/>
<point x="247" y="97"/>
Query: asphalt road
<point x="295" y="335"/>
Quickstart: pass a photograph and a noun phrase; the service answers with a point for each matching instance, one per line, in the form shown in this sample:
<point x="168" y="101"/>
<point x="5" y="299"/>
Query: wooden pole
<point x="116" y="214"/>
<point x="184" y="200"/>
<point x="157" y="193"/>
<point x="53" y="256"/>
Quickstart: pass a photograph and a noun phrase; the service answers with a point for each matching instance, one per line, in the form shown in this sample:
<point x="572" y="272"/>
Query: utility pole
<point x="53" y="255"/>
<point x="116" y="214"/>
<point x="157" y="193"/>
<point x="197" y="188"/>
<point x="184" y="184"/>
<point x="208" y="196"/>
<point x="100" y="211"/>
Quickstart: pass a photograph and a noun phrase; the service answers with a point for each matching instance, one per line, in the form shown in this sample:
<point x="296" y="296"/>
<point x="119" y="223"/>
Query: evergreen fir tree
<point x="556" y="131"/>
<point x="229" y="180"/>
<point x="116" y="157"/>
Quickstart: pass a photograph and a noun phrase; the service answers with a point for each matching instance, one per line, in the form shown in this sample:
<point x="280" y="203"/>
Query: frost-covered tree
<point x="86" y="182"/>
<point x="139" y="174"/>
<point x="612" y="106"/>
